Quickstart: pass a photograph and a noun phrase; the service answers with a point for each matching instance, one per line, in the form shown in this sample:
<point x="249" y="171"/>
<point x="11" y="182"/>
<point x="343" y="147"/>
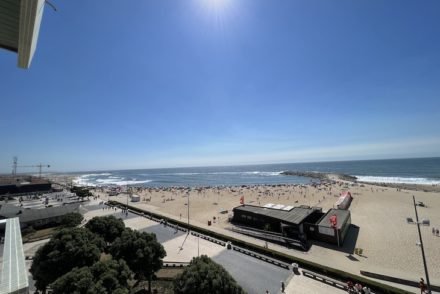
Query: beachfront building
<point x="16" y="185"/>
<point x="289" y="223"/>
<point x="19" y="27"/>
<point x="298" y="223"/>
<point x="14" y="275"/>
<point x="332" y="227"/>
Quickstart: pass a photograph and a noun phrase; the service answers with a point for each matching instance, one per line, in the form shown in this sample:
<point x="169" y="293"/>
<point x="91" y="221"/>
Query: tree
<point x="81" y="191"/>
<point x="107" y="227"/>
<point x="71" y="220"/>
<point x="141" y="251"/>
<point x="103" y="277"/>
<point x="69" y="248"/>
<point x="205" y="276"/>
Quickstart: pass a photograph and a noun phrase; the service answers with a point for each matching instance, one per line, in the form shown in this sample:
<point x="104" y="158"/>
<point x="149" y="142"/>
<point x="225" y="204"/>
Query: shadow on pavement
<point x="163" y="233"/>
<point x="253" y="275"/>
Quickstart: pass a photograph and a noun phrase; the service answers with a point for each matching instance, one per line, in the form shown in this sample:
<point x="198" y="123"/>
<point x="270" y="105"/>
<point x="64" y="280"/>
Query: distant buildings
<point x="32" y="201"/>
<point x="15" y="185"/>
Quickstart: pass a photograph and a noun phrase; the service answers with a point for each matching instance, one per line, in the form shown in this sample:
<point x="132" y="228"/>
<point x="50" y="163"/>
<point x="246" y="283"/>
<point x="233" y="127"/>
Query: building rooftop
<point x="295" y="216"/>
<point x="21" y="180"/>
<point x="30" y="215"/>
<point x="14" y="275"/>
<point x="341" y="216"/>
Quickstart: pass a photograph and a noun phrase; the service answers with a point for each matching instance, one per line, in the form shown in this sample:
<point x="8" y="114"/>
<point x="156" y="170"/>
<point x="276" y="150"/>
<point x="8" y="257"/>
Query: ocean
<point x="411" y="171"/>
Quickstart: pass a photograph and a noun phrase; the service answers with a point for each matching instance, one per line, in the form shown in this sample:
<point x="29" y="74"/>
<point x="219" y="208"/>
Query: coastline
<point x="320" y="176"/>
<point x="379" y="211"/>
<point x="326" y="177"/>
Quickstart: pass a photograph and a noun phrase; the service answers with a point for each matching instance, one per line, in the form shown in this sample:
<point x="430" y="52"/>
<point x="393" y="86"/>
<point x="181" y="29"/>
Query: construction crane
<point x="15" y="165"/>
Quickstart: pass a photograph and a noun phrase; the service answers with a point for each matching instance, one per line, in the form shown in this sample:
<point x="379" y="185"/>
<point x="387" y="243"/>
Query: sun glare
<point x="216" y="5"/>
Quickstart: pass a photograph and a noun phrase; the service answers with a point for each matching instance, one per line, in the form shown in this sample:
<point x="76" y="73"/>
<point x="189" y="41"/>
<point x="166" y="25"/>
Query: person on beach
<point x="422" y="286"/>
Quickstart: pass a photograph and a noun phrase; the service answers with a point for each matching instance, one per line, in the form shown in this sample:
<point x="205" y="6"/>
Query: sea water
<point x="412" y="171"/>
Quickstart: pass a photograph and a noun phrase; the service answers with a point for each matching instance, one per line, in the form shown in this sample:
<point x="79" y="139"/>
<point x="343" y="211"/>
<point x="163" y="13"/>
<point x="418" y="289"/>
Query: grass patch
<point x="157" y="286"/>
<point x="40" y="234"/>
<point x="169" y="273"/>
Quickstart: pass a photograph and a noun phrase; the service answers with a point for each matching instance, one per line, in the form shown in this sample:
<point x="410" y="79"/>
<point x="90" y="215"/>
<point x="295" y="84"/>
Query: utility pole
<point x="188" y="210"/>
<point x="421" y="246"/>
<point x="14" y="165"/>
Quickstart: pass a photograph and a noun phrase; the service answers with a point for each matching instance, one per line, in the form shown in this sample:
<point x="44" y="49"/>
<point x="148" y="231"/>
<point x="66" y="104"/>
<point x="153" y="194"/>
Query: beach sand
<point x="388" y="242"/>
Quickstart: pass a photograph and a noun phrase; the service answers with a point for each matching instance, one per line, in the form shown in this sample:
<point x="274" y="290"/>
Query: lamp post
<point x="421" y="246"/>
<point x="188" y="209"/>
<point x="128" y="193"/>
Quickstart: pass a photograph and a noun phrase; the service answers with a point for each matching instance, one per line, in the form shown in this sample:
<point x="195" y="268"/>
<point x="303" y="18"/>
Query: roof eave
<point x="31" y="13"/>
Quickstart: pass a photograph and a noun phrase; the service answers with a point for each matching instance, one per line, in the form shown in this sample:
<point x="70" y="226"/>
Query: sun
<point x="217" y="5"/>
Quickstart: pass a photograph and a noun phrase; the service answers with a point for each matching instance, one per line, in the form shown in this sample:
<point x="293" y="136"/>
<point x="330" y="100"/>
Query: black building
<point x="300" y="223"/>
<point x="290" y="223"/>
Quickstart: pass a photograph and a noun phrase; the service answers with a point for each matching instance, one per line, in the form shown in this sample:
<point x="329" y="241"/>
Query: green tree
<point x="108" y="227"/>
<point x="141" y="251"/>
<point x="71" y="220"/>
<point x="205" y="276"/>
<point x="103" y="277"/>
<point x="69" y="248"/>
<point x="81" y="192"/>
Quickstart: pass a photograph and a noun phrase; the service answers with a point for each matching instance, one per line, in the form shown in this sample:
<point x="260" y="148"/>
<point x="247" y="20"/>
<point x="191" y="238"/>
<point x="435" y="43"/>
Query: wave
<point x="124" y="183"/>
<point x="95" y="175"/>
<point x="81" y="181"/>
<point x="398" y="180"/>
<point x="107" y="182"/>
<point x="259" y="173"/>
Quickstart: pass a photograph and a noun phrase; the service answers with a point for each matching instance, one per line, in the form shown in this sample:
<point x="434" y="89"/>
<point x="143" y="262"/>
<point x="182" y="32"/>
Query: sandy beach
<point x="379" y="212"/>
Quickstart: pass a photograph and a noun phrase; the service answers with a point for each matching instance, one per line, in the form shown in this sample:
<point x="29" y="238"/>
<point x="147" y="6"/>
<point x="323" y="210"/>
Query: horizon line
<point x="228" y="165"/>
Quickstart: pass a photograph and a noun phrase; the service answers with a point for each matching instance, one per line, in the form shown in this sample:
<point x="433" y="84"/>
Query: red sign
<point x="334" y="221"/>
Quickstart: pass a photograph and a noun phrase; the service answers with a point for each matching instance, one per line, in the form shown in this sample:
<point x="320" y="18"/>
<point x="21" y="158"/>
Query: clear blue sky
<point x="140" y="84"/>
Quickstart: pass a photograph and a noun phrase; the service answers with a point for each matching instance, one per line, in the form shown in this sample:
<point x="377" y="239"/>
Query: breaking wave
<point x="257" y="173"/>
<point x="96" y="175"/>
<point x="85" y="180"/>
<point x="398" y="180"/>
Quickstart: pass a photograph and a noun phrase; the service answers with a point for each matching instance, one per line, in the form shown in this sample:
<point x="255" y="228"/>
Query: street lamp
<point x="421" y="246"/>
<point x="188" y="208"/>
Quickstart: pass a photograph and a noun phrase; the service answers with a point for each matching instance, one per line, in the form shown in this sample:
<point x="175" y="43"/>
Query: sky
<point x="169" y="83"/>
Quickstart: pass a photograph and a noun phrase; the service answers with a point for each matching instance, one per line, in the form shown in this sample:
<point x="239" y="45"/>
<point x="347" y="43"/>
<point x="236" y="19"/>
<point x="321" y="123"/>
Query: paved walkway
<point x="254" y="275"/>
<point x="300" y="284"/>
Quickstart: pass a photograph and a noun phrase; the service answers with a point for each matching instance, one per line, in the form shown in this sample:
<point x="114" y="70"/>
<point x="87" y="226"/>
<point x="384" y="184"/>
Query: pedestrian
<point x="437" y="232"/>
<point x="433" y="230"/>
<point x="422" y="286"/>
